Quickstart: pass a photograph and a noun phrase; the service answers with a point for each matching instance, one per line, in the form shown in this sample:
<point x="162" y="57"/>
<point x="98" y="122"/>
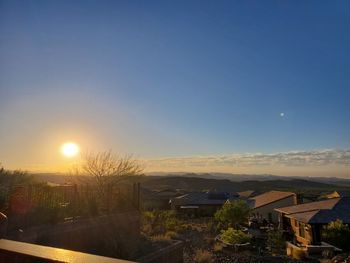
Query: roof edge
<point x="293" y="194"/>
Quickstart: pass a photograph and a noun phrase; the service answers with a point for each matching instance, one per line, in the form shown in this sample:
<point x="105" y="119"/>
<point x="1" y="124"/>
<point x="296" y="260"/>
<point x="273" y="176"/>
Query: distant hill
<point x="228" y="176"/>
<point x="255" y="177"/>
<point x="57" y="178"/>
<point x="200" y="182"/>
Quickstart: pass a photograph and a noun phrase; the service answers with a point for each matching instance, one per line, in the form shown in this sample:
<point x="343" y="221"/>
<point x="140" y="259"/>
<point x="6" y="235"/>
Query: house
<point x="305" y="221"/>
<point x="158" y="199"/>
<point x="246" y="194"/>
<point x="308" y="197"/>
<point x="201" y="203"/>
<point x="263" y="206"/>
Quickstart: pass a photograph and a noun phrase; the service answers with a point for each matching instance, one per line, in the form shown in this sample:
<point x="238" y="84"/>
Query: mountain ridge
<point x="62" y="178"/>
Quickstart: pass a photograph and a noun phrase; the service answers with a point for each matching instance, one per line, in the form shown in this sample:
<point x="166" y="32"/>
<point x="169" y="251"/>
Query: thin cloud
<point x="287" y="159"/>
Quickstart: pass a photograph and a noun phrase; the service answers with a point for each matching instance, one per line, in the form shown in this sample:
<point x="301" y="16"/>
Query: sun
<point x="70" y="149"/>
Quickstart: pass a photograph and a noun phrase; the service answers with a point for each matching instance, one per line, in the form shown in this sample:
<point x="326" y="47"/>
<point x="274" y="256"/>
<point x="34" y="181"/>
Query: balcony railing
<point x="16" y="252"/>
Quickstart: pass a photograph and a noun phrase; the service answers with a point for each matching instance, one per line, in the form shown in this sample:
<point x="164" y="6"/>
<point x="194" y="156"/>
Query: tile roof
<point x="321" y="212"/>
<point x="269" y="197"/>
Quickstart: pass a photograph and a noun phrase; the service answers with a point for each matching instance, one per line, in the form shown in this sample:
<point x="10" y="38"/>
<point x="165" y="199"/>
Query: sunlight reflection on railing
<point x="20" y="251"/>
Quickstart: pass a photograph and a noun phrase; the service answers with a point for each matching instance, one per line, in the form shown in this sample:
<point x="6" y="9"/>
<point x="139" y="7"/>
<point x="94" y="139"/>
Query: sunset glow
<point x="220" y="88"/>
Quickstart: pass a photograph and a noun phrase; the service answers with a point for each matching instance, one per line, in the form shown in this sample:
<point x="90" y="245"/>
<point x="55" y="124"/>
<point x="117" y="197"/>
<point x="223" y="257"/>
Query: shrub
<point x="276" y="241"/>
<point x="217" y="247"/>
<point x="171" y="234"/>
<point x="233" y="236"/>
<point x="337" y="234"/>
<point x="203" y="256"/>
<point x="159" y="222"/>
<point x="233" y="213"/>
<point x="161" y="238"/>
<point x="328" y="253"/>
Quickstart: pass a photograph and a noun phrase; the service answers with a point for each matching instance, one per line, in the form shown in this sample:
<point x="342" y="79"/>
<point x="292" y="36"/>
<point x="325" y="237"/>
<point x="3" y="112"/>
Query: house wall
<point x="265" y="210"/>
<point x="302" y="232"/>
<point x="296" y="252"/>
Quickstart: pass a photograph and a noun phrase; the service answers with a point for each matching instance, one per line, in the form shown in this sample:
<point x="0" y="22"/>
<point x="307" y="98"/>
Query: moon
<point x="69" y="149"/>
<point x="282" y="114"/>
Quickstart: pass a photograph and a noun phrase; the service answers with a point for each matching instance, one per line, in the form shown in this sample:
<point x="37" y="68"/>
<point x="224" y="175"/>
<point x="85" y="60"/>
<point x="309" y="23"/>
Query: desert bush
<point x="217" y="247"/>
<point x="209" y="240"/>
<point x="171" y="222"/>
<point x="212" y="227"/>
<point x="203" y="256"/>
<point x="276" y="241"/>
<point x="232" y="214"/>
<point x="233" y="236"/>
<point x="341" y="258"/>
<point x="327" y="253"/>
<point x="186" y="227"/>
<point x="337" y="234"/>
<point x="161" y="238"/>
<point x="159" y="222"/>
<point x="171" y="234"/>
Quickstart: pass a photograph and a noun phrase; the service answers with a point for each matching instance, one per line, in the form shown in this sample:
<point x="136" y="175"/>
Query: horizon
<point x="210" y="173"/>
<point x="192" y="86"/>
<point x="290" y="164"/>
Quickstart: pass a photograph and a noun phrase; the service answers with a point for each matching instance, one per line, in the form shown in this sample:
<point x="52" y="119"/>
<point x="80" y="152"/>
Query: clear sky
<point x="169" y="79"/>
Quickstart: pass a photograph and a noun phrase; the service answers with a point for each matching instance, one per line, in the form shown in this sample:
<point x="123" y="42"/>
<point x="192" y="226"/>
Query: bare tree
<point x="108" y="168"/>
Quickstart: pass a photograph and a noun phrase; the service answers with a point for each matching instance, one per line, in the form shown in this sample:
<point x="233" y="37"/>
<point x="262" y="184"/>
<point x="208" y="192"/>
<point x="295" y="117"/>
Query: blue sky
<point x="173" y="78"/>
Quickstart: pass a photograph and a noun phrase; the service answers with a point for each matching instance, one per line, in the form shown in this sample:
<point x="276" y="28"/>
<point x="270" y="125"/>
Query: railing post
<point x="75" y="201"/>
<point x="134" y="194"/>
<point x="138" y="196"/>
<point x="3" y="225"/>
